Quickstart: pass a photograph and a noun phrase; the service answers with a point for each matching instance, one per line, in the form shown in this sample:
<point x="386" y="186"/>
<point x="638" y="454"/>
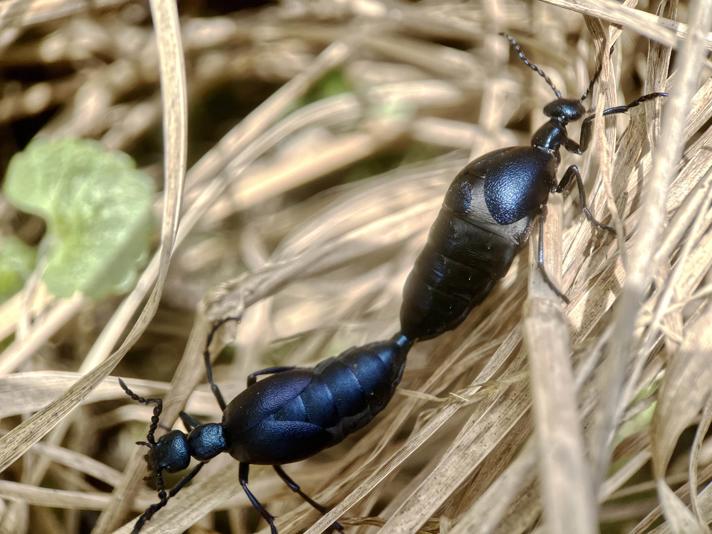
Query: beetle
<point x="488" y="213"/>
<point x="286" y="417"/>
<point x="293" y="413"/>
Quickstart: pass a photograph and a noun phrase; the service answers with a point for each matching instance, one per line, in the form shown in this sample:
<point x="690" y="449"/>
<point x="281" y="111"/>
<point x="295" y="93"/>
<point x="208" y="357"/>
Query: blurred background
<point x="334" y="202"/>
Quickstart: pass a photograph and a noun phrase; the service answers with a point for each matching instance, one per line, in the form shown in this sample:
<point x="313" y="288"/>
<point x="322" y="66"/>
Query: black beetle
<point x="487" y="216"/>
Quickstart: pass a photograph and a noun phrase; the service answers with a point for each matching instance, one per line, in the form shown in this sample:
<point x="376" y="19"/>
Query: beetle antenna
<point x="596" y="75"/>
<point x="591" y="83"/>
<point x="163" y="497"/>
<point x="150" y="443"/>
<point x="518" y="49"/>
<point x="151" y="435"/>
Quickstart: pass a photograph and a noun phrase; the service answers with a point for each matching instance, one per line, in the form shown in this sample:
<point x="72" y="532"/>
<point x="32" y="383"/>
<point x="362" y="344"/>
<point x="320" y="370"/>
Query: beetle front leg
<point x="587" y="126"/>
<point x="573" y="173"/>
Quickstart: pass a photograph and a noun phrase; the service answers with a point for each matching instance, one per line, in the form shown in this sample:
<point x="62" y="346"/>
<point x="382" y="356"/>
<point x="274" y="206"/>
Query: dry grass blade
<point x="700" y="434"/>
<point x="321" y="133"/>
<point x="488" y="511"/>
<point x="20" y="13"/>
<point x="655" y="28"/>
<point x="175" y="119"/>
<point x="559" y="437"/>
<point x="640" y="269"/>
<point x="679" y="517"/>
<point x="21" y="349"/>
<point x="31" y="494"/>
<point x="686" y="386"/>
<point x="482" y="433"/>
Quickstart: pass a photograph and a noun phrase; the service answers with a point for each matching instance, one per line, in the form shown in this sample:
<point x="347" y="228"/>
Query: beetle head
<point x="565" y="109"/>
<point x="170" y="453"/>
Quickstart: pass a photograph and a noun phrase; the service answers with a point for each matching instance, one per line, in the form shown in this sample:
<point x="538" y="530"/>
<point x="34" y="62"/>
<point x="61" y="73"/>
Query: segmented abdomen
<point x="346" y="392"/>
<point x="457" y="269"/>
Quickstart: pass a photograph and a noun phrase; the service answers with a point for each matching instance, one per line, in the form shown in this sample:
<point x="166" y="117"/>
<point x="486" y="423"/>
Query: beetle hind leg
<point x="296" y="489"/>
<point x="257" y="505"/>
<point x="540" y="260"/>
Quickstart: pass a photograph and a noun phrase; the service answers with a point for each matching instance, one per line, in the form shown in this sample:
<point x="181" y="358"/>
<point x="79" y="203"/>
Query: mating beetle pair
<point x="485" y="220"/>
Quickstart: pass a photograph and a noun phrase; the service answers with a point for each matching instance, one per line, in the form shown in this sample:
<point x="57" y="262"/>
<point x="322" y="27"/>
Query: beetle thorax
<point x="550" y="136"/>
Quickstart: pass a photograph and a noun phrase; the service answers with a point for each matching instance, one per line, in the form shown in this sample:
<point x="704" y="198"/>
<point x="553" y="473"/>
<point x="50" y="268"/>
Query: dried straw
<point x="531" y="416"/>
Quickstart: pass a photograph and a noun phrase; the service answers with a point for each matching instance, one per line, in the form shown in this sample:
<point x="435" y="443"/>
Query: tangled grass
<point x="302" y="212"/>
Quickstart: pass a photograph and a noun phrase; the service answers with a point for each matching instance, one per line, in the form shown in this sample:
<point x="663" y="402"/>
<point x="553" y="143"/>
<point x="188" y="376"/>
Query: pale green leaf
<point x="17" y="260"/>
<point x="97" y="206"/>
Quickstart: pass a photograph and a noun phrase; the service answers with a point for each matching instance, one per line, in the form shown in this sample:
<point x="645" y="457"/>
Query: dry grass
<point x="531" y="416"/>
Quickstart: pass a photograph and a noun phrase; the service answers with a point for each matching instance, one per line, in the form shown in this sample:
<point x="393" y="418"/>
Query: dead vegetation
<point x="304" y="214"/>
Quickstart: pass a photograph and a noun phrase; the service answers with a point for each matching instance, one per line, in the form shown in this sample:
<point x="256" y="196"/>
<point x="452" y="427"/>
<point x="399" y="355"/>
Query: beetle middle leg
<point x="540" y="259"/>
<point x="296" y="489"/>
<point x="257" y="505"/>
<point x="252" y="377"/>
<point x="189" y="421"/>
<point x="208" y="364"/>
<point x="573" y="173"/>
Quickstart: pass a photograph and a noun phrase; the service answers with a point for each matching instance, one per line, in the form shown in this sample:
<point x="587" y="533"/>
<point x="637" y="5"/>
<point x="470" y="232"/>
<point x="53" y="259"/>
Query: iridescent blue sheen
<point x="292" y="415"/>
<point x="206" y="441"/>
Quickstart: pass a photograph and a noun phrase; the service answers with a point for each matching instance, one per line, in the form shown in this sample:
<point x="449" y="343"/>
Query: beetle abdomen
<point x="485" y="218"/>
<point x="321" y="406"/>
<point x="348" y="391"/>
<point x="456" y="270"/>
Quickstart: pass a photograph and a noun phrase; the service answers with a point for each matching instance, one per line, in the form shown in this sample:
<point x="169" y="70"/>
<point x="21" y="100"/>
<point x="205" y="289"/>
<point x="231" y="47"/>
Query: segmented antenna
<point x="150" y="436"/>
<point x="518" y="49"/>
<point x="596" y="75"/>
<point x="150" y="443"/>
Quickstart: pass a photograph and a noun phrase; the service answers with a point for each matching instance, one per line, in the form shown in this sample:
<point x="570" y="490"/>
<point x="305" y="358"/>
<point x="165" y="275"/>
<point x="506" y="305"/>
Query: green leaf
<point x="97" y="207"/>
<point x="16" y="263"/>
<point x="332" y="83"/>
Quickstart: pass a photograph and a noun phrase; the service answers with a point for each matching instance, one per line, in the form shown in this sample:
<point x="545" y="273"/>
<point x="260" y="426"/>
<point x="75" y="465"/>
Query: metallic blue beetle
<point x="293" y="413"/>
<point x="288" y="416"/>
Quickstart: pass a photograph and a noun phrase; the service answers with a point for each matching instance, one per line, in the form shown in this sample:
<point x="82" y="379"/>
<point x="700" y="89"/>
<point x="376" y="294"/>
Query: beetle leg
<point x="574" y="147"/>
<point x="213" y="386"/>
<point x="164" y="496"/>
<point x="252" y="377"/>
<point x="573" y="172"/>
<point x="587" y="126"/>
<point x="208" y="363"/>
<point x="187" y="478"/>
<point x="296" y="489"/>
<point x="189" y="421"/>
<point x="540" y="259"/>
<point x="257" y="505"/>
